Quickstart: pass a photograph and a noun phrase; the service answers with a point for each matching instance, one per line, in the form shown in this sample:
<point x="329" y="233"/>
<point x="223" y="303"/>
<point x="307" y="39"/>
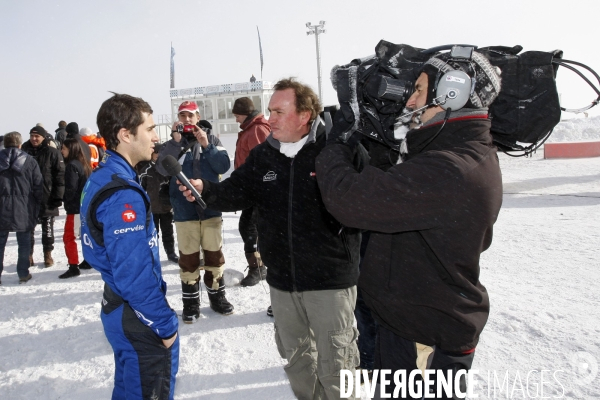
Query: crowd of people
<point x="315" y="207"/>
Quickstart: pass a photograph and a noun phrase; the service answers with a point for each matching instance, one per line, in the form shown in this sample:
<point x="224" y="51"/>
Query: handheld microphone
<point x="173" y="168"/>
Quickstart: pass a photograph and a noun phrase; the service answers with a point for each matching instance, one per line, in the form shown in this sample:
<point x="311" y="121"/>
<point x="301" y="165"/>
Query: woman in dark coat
<point x="77" y="171"/>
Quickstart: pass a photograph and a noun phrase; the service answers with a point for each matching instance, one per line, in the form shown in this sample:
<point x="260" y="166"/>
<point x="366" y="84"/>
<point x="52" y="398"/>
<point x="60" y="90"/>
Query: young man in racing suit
<point x="119" y="240"/>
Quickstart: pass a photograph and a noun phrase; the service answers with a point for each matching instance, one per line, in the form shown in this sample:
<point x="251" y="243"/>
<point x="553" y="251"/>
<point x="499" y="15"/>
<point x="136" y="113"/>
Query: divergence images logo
<point x="128" y="215"/>
<point x="270" y="176"/>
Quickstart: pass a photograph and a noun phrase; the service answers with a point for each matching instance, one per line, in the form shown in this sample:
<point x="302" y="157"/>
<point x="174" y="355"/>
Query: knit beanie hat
<point x="86" y="132"/>
<point x="38" y="130"/>
<point x="487" y="77"/>
<point x="243" y="106"/>
<point x="72" y="128"/>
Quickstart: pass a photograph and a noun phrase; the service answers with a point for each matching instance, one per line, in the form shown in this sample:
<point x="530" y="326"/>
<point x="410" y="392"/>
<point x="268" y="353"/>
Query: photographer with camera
<point x="431" y="217"/>
<point x="201" y="155"/>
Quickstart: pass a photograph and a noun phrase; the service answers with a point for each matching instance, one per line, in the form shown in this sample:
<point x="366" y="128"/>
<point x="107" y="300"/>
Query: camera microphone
<point x="173" y="168"/>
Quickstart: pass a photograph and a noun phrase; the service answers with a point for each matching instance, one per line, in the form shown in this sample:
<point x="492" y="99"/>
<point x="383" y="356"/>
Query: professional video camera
<point x="373" y="91"/>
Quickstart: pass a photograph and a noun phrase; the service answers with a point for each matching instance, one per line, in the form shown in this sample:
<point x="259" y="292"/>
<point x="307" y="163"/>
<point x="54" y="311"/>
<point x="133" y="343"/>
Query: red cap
<point x="188" y="106"/>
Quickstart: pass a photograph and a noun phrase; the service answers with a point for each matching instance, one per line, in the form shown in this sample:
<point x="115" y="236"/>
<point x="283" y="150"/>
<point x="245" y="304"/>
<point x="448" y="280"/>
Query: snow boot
<point x="191" y="302"/>
<point x="48" y="261"/>
<point x="25" y="279"/>
<point x="256" y="270"/>
<point x="72" y="272"/>
<point x="270" y="311"/>
<point x="84" y="265"/>
<point x="218" y="302"/>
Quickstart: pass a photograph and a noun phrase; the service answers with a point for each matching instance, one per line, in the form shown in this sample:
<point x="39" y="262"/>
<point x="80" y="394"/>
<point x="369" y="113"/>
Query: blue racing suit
<point x="120" y="241"/>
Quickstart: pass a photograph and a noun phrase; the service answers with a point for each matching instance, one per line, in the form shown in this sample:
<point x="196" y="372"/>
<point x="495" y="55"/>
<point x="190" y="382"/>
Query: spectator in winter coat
<point x="431" y="217"/>
<point x="201" y="155"/>
<point x="312" y="259"/>
<point x="73" y="132"/>
<point x="157" y="187"/>
<point x="119" y="240"/>
<point x="96" y="144"/>
<point x="77" y="171"/>
<point x="60" y="134"/>
<point x="21" y="191"/>
<point x="254" y="130"/>
<point x="52" y="168"/>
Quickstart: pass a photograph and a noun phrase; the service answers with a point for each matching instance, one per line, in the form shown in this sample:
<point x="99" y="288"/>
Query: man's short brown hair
<point x="306" y="98"/>
<point x="120" y="111"/>
<point x="13" y="139"/>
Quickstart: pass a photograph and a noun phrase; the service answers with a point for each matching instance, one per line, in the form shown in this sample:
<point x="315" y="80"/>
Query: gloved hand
<point x="54" y="203"/>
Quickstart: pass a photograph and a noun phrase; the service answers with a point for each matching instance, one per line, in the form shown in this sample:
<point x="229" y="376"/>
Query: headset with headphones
<point x="454" y="88"/>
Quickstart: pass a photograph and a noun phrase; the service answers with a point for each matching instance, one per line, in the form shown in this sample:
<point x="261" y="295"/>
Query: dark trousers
<point x="47" y="234"/>
<point x="23" y="239"/>
<point x="248" y="230"/>
<point x="164" y="223"/>
<point x="365" y="323"/>
<point x="396" y="353"/>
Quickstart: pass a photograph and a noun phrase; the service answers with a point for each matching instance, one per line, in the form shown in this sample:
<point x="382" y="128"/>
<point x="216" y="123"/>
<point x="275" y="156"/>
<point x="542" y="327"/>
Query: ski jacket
<point x="431" y="217"/>
<point x="197" y="163"/>
<point x="52" y="167"/>
<point x="123" y="245"/>
<point x="21" y="190"/>
<point x="301" y="243"/>
<point x="95" y="145"/>
<point x="254" y="131"/>
<point x="157" y="187"/>
<point x="74" y="182"/>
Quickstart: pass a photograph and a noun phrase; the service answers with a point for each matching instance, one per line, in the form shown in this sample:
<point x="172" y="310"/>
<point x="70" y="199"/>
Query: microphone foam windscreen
<point x="171" y="165"/>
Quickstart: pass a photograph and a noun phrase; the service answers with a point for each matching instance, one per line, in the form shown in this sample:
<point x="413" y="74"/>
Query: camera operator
<point x="431" y="217"/>
<point x="201" y="155"/>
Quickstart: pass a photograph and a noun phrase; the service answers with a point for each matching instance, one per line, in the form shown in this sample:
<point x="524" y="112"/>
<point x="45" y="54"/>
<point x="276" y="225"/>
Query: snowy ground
<point x="542" y="273"/>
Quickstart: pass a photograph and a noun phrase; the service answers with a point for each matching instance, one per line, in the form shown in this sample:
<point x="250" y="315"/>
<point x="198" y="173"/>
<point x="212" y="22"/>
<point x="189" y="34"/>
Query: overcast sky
<point x="59" y="59"/>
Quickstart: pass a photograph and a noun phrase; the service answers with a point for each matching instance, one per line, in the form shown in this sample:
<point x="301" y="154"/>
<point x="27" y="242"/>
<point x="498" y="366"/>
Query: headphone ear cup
<point x="455" y="87"/>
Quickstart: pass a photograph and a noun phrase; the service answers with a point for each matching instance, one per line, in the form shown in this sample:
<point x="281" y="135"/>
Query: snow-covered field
<point x="542" y="273"/>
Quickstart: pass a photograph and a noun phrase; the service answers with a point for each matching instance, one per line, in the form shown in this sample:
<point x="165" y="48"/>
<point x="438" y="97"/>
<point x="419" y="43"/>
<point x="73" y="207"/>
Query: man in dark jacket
<point x="200" y="154"/>
<point x="20" y="198"/>
<point x="431" y="217"/>
<point x="60" y="134"/>
<point x="312" y="258"/>
<point x="52" y="168"/>
<point x="254" y="130"/>
<point x="73" y="132"/>
<point x="157" y="187"/>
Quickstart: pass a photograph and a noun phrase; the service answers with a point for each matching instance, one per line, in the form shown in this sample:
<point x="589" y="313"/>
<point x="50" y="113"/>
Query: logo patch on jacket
<point x="128" y="215"/>
<point x="270" y="176"/>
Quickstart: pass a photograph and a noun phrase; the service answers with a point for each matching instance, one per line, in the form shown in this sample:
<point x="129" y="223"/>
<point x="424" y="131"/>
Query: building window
<point x="257" y="103"/>
<point x="229" y="128"/>
<point x="221" y="109"/>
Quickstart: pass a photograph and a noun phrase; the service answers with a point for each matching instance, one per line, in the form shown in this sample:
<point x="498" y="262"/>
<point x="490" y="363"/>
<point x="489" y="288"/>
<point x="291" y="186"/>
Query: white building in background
<point x="215" y="104"/>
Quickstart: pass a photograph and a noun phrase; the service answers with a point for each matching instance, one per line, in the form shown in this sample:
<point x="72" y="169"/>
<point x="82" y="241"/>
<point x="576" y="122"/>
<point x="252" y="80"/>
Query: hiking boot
<point x="84" y="265"/>
<point x="191" y="302"/>
<point x="72" y="272"/>
<point x="270" y="311"/>
<point x="48" y="261"/>
<point x="217" y="299"/>
<point x="25" y="279"/>
<point x="173" y="257"/>
<point x="255" y="275"/>
<point x="31" y="261"/>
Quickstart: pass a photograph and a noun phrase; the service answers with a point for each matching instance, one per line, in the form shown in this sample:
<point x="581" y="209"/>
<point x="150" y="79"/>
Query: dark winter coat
<point x="21" y="190"/>
<point x="74" y="182"/>
<point x="52" y="168"/>
<point x="206" y="163"/>
<point x="431" y="217"/>
<point x="303" y="245"/>
<point x="156" y="185"/>
<point x="254" y="131"/>
<point x="59" y="136"/>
